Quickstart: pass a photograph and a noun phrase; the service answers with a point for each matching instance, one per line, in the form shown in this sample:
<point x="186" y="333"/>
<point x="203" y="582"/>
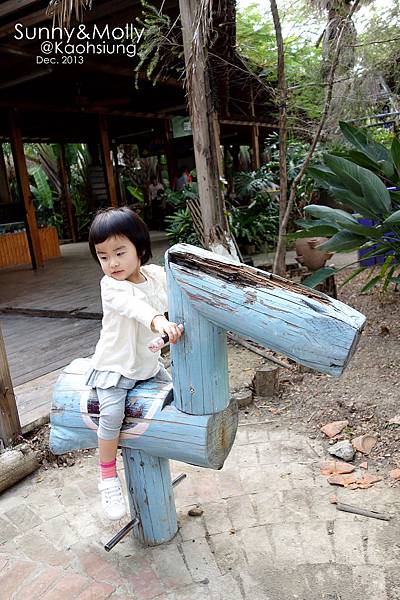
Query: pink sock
<point x="108" y="469"/>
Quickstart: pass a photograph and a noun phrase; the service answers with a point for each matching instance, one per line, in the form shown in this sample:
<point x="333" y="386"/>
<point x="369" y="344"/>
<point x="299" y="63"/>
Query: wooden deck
<point x="45" y="320"/>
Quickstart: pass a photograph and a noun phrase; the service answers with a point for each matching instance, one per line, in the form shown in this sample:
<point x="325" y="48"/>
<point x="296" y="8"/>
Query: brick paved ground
<point x="268" y="532"/>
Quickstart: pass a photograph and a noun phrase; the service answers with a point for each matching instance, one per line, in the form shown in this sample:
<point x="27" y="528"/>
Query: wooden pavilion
<point x="95" y="101"/>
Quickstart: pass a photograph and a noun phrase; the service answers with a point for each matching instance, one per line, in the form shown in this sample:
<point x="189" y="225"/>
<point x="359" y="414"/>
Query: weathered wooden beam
<point x="25" y="191"/>
<point x="148" y="479"/>
<point x="107" y="163"/>
<point x="307" y="326"/>
<point x="10" y="427"/>
<point x="10" y="6"/>
<point x="149" y="426"/>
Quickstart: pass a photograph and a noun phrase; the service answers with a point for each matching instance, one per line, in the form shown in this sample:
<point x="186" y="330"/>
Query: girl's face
<point x="118" y="259"/>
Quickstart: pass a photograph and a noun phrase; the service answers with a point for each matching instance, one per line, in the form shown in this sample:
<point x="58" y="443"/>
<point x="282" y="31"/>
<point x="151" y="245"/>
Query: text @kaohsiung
<point x="81" y="41"/>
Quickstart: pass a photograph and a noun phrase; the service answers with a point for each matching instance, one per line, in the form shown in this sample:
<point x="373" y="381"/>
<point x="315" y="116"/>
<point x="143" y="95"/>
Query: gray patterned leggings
<point x="112" y="406"/>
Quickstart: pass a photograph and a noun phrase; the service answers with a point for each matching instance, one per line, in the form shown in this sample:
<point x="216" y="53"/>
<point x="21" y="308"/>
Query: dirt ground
<point x="367" y="394"/>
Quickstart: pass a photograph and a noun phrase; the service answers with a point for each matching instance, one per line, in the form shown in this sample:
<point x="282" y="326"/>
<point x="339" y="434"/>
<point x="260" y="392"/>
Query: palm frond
<point x="62" y="10"/>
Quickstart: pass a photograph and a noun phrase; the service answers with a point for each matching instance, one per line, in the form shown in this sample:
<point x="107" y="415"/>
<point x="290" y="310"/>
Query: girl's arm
<point x="118" y="296"/>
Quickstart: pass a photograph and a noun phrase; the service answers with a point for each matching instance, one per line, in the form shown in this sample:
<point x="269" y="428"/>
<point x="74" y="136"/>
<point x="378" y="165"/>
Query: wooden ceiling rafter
<point x="101" y="11"/>
<point x="12" y="6"/>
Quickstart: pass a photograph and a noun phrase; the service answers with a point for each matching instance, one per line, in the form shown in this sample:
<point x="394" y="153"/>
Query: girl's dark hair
<point x="110" y="222"/>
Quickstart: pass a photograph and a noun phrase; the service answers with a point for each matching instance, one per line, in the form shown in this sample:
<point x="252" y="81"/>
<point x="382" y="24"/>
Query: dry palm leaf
<point x="61" y="10"/>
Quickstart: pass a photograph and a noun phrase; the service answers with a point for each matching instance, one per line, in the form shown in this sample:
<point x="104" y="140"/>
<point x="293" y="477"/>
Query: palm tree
<point x="339" y="17"/>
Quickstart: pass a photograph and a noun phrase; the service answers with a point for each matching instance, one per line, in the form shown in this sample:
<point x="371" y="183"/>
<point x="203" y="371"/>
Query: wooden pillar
<point x="169" y="153"/>
<point x="202" y="349"/>
<point x="204" y="118"/>
<point x="72" y="224"/>
<point x="10" y="427"/>
<point x="116" y="174"/>
<point x="151" y="498"/>
<point x="107" y="162"/>
<point x="5" y="197"/>
<point x="25" y="192"/>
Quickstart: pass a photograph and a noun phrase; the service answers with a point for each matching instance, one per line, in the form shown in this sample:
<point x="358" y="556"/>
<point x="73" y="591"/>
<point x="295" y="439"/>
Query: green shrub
<point x="361" y="179"/>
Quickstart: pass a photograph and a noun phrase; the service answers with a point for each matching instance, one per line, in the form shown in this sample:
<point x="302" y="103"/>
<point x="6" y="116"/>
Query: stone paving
<point x="268" y="532"/>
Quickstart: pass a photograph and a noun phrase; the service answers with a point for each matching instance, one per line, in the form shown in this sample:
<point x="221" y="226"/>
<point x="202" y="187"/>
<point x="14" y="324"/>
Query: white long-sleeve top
<point x="128" y="310"/>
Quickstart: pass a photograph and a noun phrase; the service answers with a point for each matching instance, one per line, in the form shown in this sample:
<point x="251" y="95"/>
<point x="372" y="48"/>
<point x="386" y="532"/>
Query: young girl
<point x="134" y="299"/>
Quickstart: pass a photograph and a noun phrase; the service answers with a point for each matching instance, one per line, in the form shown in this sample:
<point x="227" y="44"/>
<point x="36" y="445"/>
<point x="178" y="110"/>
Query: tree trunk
<point x="279" y="266"/>
<point x="286" y="202"/>
<point x="205" y="127"/>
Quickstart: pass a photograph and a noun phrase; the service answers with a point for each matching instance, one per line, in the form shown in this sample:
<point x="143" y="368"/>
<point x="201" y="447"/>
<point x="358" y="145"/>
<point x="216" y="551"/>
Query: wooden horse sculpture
<point x="193" y="420"/>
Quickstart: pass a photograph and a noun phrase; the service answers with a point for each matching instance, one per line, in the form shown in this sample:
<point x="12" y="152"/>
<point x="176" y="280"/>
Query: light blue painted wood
<point x="307" y="326"/>
<point x="148" y="480"/>
<point x="200" y="361"/>
<point x="209" y="294"/>
<point x="165" y="432"/>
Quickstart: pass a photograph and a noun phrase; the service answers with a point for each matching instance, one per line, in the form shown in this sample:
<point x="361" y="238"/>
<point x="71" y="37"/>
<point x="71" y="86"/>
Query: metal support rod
<point x="129" y="526"/>
<point x="121" y="534"/>
<point x="178" y="479"/>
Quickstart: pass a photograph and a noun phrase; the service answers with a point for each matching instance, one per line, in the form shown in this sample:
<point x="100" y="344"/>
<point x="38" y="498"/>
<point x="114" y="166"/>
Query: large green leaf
<point x="395" y="153"/>
<point x="357" y="203"/>
<point x="375" y="192"/>
<point x="362" y="182"/>
<point x="324" y="177"/>
<point x="318" y="276"/>
<point x="318" y="231"/>
<point x="329" y="214"/>
<point x="394" y="219"/>
<point x="387" y="168"/>
<point x="343" y="241"/>
<point x="363" y="142"/>
<point x="347" y="171"/>
<point x="362" y="160"/>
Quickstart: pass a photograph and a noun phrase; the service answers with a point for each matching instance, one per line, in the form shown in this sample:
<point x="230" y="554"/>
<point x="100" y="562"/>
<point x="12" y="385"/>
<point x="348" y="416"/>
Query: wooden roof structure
<point x="104" y="83"/>
<point x="62" y="94"/>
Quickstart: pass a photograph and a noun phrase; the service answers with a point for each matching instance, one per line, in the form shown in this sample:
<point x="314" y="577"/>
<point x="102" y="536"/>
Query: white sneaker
<point x="112" y="499"/>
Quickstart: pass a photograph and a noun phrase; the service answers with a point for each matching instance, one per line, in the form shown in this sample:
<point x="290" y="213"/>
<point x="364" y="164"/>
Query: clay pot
<point x="308" y="255"/>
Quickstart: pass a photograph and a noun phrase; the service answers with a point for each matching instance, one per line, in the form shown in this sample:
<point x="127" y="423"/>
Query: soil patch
<point x="367" y="394"/>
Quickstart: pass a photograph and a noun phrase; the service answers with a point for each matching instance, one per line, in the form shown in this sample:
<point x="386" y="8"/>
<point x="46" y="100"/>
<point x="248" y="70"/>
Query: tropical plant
<point x="180" y="226"/>
<point x="78" y="159"/>
<point x="253" y="216"/>
<point x="366" y="180"/>
<point x="44" y="199"/>
<point x="161" y="51"/>
<point x="256" y="223"/>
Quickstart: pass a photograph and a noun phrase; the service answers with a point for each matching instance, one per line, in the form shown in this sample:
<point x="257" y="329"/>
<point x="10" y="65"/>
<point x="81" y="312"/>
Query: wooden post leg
<point x="200" y="377"/>
<point x="10" y="427"/>
<point x="151" y="498"/>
